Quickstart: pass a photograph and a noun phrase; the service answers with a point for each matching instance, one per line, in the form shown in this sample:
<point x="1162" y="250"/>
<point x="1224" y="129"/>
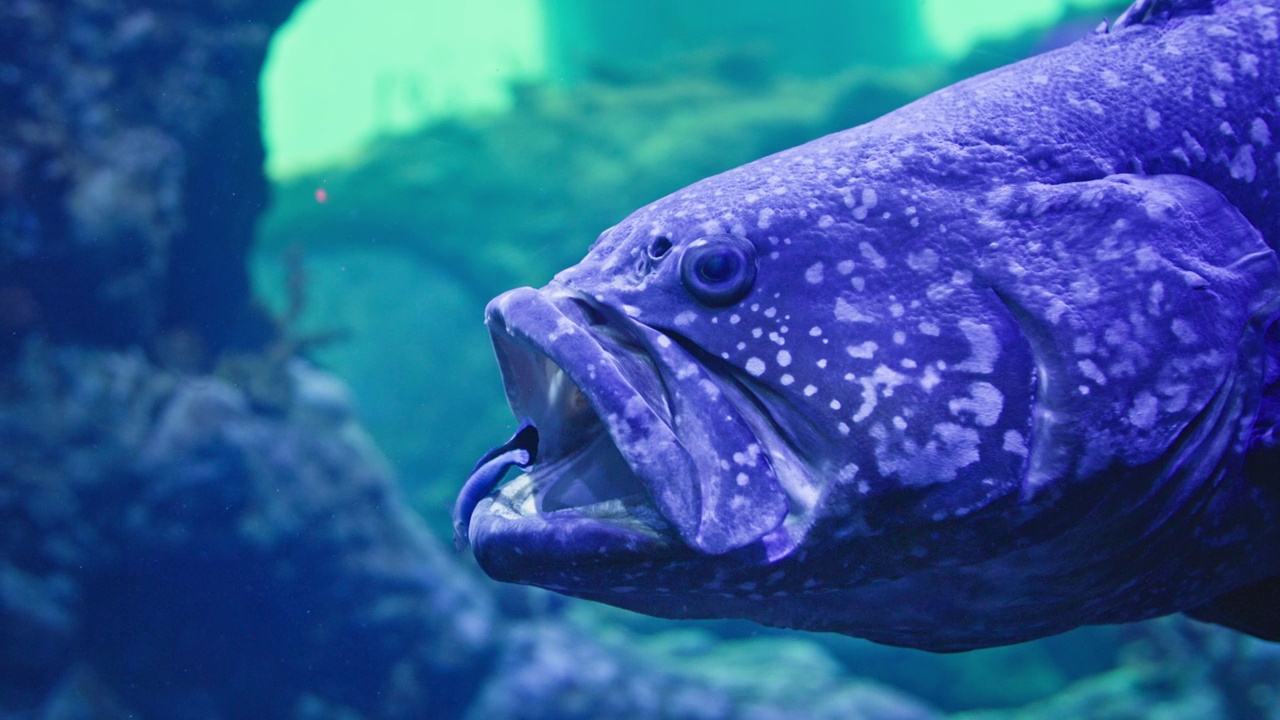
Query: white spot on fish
<point x="870" y="254"/>
<point x="985" y="402"/>
<point x="787" y="379"/>
<point x="864" y="351"/>
<point x="950" y="448"/>
<point x="1249" y="64"/>
<point x="810" y="391"/>
<point x="929" y="329"/>
<point x="1090" y="369"/>
<point x="984" y="347"/>
<point x="755" y="366"/>
<point x="826" y="221"/>
<point x="1193" y="146"/>
<point x="884" y="378"/>
<point x="1183" y="331"/>
<point x="924" y="261"/>
<point x="848" y="313"/>
<point x="931" y="379"/>
<point x="1222" y="72"/>
<point x="686" y="318"/>
<point x="814" y="274"/>
<point x="784" y="358"/>
<point x="1143" y="412"/>
<point x="1014" y="443"/>
<point x="1270" y="29"/>
<point x="1153" y="119"/>
<point x="1259" y="132"/>
<point x="1242" y="165"/>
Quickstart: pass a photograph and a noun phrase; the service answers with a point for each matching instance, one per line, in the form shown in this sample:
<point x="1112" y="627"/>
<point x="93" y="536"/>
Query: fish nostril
<point x="659" y="248"/>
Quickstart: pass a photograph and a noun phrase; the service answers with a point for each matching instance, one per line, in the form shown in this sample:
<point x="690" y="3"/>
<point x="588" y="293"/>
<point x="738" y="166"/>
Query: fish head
<point x="714" y="395"/>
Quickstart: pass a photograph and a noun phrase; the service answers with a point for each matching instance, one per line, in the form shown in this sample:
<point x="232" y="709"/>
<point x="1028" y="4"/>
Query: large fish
<point x="999" y="364"/>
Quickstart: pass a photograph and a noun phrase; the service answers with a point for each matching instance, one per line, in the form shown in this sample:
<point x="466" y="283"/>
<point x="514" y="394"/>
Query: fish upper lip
<point x="640" y="386"/>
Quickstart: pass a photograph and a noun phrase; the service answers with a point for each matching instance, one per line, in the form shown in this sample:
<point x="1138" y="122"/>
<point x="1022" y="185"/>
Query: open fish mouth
<point x="571" y="466"/>
<point x="577" y="489"/>
<point x="622" y="448"/>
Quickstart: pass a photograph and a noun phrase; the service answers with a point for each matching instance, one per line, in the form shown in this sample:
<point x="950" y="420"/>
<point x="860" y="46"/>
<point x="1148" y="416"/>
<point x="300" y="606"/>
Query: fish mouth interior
<point x="579" y="465"/>
<point x="579" y="473"/>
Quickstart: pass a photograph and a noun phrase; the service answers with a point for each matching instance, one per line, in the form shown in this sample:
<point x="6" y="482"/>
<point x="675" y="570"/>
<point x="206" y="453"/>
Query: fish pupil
<point x="719" y="267"/>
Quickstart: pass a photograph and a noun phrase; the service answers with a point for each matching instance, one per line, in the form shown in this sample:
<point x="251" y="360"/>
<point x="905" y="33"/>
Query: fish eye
<point x="659" y="248"/>
<point x="718" y="270"/>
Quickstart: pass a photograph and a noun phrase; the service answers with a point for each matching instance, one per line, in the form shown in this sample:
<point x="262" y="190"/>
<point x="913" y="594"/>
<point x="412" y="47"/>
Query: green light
<point x="955" y="26"/>
<point x="344" y="71"/>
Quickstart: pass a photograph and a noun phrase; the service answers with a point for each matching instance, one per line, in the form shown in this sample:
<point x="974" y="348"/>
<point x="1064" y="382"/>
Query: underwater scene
<point x="552" y="359"/>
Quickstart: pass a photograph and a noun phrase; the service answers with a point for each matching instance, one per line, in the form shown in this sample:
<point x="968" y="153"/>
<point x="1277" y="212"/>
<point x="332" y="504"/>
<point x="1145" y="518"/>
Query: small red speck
<point x="322" y="195"/>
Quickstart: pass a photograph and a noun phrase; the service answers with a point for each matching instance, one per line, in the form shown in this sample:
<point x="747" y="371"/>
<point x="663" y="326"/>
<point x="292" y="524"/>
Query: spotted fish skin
<point x="1005" y="366"/>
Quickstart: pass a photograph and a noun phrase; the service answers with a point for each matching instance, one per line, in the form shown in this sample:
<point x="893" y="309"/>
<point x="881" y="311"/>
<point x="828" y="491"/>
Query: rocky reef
<point x="130" y="170"/>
